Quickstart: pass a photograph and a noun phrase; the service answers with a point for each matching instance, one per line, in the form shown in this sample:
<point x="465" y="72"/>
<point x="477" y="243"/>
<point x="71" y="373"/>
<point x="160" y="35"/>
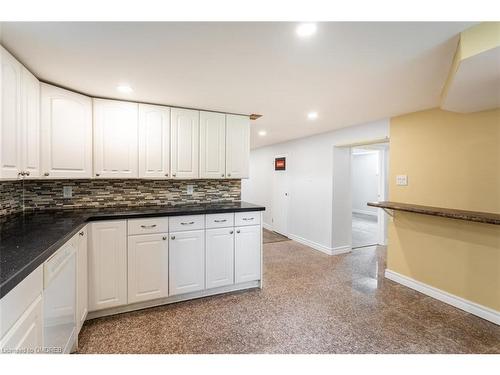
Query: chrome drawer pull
<point x="191" y="222"/>
<point x="248" y="219"/>
<point x="148" y="226"/>
<point x="220" y="221"/>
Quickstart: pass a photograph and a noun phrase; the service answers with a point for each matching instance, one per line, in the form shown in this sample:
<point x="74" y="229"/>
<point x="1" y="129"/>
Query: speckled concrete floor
<point x="364" y="230"/>
<point x="311" y="303"/>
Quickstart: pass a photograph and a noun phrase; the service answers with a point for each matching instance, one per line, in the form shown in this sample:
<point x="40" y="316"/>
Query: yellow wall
<point x="452" y="160"/>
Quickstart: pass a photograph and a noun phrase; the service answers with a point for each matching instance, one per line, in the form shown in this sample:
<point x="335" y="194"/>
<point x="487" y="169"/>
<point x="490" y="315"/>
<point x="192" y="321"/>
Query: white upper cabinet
<point x="115" y="139"/>
<point x="30" y="118"/>
<point x="66" y="123"/>
<point x="10" y="126"/>
<point x="212" y="145"/>
<point x="154" y="141"/>
<point x="237" y="146"/>
<point x="184" y="143"/>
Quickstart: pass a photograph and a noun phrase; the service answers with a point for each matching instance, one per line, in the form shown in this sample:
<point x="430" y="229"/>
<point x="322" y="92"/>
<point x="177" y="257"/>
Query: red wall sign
<point x="280" y="164"/>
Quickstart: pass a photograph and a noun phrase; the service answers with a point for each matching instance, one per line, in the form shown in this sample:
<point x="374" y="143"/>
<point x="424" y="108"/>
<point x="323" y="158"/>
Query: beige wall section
<point x="452" y="160"/>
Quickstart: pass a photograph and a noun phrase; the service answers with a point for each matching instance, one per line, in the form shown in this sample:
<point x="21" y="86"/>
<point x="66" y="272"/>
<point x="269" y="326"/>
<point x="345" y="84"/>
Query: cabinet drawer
<point x="15" y="303"/>
<point x="188" y="222"/>
<point x="147" y="226"/>
<point x="247" y="218"/>
<point x="220" y="220"/>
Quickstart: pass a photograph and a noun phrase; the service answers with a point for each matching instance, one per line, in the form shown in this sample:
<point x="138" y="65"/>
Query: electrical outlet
<point x="190" y="189"/>
<point x="402" y="180"/>
<point x="67" y="191"/>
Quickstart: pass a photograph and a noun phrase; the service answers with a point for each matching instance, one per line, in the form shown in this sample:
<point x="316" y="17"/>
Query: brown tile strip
<point x="476" y="216"/>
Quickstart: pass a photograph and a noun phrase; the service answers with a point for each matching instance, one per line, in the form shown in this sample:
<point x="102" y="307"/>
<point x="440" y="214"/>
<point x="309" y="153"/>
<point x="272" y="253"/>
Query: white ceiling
<point x="349" y="73"/>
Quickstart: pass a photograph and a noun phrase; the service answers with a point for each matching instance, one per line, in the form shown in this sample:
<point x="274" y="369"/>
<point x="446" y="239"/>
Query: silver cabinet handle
<point x="164" y="238"/>
<point x="238" y="231"/>
<point x="229" y="175"/>
<point x="148" y="226"/>
<point x="97" y="174"/>
<point x="248" y="218"/>
<point x="231" y="232"/>
<point x="173" y="174"/>
<point x="21" y="173"/>
<point x="191" y="222"/>
<point x="46" y="174"/>
<point x="172" y="238"/>
<point x="81" y="233"/>
<point x="27" y="173"/>
<point x="222" y="175"/>
<point x="166" y="174"/>
<point x="220" y="221"/>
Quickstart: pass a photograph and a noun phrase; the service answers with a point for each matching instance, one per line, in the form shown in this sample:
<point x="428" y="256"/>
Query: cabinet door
<point x="184" y="143"/>
<point x="82" y="295"/>
<point x="115" y="139"/>
<point x="107" y="265"/>
<point x="219" y="257"/>
<point x="237" y="146"/>
<point x="147" y="267"/>
<point x="247" y="252"/>
<point x="10" y="117"/>
<point x="212" y="145"/>
<point x="66" y="123"/>
<point x="187" y="262"/>
<point x="154" y="141"/>
<point x="26" y="336"/>
<point x="30" y="114"/>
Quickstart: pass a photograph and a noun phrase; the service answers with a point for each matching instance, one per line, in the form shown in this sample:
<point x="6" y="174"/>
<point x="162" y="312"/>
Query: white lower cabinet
<point x="147" y="267"/>
<point x="247" y="253"/>
<point x="26" y="336"/>
<point x="219" y="266"/>
<point x="107" y="264"/>
<point x="187" y="262"/>
<point x="82" y="295"/>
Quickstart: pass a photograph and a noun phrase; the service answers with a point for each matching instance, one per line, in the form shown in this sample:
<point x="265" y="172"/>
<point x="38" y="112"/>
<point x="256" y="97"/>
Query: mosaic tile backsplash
<point x="43" y="194"/>
<point x="11" y="197"/>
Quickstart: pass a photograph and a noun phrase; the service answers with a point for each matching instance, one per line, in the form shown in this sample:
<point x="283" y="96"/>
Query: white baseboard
<point x="319" y="247"/>
<point x="267" y="226"/>
<point x="364" y="212"/>
<point x="451" y="299"/>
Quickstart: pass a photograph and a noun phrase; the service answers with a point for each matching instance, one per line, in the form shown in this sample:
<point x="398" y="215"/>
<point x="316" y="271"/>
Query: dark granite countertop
<point x="28" y="239"/>
<point x="478" y="217"/>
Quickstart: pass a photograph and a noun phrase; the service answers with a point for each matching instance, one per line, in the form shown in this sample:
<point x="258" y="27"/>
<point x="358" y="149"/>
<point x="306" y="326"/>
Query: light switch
<point x="190" y="189"/>
<point x="401" y="180"/>
<point x="67" y="191"/>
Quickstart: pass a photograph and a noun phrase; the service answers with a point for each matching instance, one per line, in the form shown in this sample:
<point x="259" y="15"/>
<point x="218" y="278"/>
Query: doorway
<point x="369" y="173"/>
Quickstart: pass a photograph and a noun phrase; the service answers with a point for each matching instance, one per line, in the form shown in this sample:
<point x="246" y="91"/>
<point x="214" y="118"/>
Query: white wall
<point x="310" y="171"/>
<point x="365" y="181"/>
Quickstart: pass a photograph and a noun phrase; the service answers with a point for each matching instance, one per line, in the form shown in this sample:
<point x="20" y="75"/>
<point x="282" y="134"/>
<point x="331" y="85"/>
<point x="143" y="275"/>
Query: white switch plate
<point x="190" y="189"/>
<point x="402" y="180"/>
<point x="67" y="191"/>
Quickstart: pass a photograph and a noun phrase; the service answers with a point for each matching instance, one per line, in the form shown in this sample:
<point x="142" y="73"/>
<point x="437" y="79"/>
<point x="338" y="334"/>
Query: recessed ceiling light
<point x="262" y="133"/>
<point x="305" y="30"/>
<point x="312" y="115"/>
<point x="126" y="89"/>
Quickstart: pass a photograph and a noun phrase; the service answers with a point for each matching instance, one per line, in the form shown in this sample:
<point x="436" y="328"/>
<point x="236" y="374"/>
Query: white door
<point x="27" y="333"/>
<point x="147" y="267"/>
<point x="237" y="146"/>
<point x="219" y="257"/>
<point x="82" y="295"/>
<point x="184" y="143"/>
<point x="280" y="201"/>
<point x="107" y="264"/>
<point x="187" y="262"/>
<point x="115" y="139"/>
<point x="66" y="140"/>
<point x="154" y="141"/>
<point x="30" y="115"/>
<point x="10" y="125"/>
<point x="247" y="249"/>
<point x="212" y="145"/>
